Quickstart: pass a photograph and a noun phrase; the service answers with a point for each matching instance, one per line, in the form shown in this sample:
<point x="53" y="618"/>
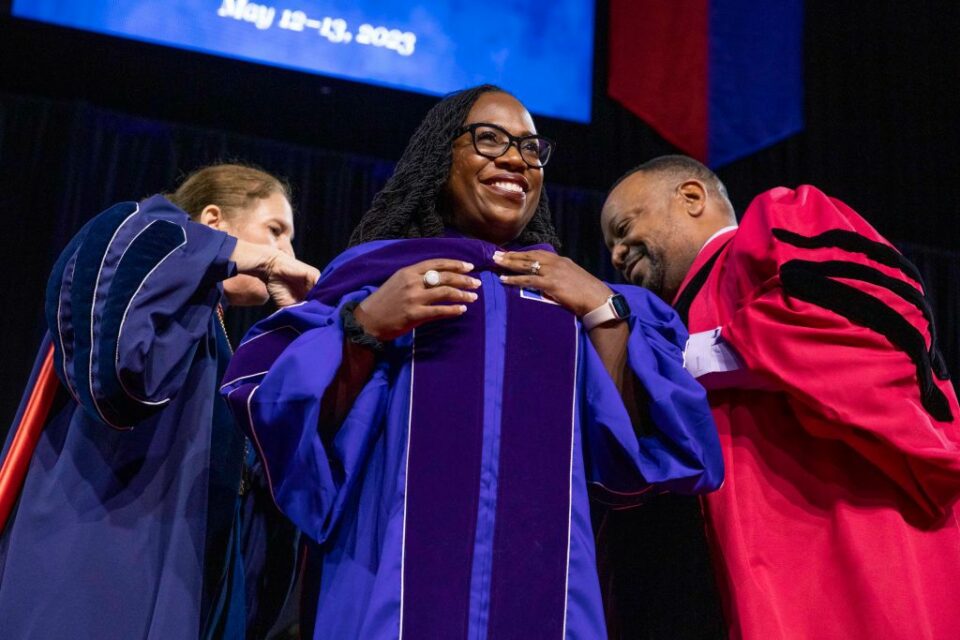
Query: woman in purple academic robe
<point x="435" y="413"/>
<point x="135" y="519"/>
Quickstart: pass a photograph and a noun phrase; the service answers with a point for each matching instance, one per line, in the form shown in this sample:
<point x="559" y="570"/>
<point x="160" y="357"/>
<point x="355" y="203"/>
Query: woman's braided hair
<point x="407" y="206"/>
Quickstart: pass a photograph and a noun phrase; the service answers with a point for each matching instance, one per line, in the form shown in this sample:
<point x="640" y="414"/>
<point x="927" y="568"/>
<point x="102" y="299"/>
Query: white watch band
<point x="603" y="313"/>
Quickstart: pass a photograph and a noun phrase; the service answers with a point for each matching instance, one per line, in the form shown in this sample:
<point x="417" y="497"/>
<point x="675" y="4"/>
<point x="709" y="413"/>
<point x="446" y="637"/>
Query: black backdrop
<point x="87" y="120"/>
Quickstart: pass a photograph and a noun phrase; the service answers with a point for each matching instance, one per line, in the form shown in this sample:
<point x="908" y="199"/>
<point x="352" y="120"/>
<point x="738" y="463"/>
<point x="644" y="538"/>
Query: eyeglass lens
<point x="494" y="142"/>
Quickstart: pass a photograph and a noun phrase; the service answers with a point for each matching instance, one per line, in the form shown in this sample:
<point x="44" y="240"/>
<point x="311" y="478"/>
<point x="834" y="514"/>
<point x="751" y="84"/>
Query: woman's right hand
<point x="405" y="301"/>
<point x="288" y="280"/>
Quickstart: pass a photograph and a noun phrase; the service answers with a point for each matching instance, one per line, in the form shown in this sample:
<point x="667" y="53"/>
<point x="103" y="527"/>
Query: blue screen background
<point x="542" y="52"/>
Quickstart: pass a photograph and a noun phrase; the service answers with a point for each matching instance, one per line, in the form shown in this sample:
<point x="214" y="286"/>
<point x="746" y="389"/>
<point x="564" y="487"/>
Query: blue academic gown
<point x="452" y="502"/>
<point x="128" y="524"/>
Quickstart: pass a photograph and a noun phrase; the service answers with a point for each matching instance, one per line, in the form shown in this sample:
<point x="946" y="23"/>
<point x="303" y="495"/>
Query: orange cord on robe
<point x="13" y="471"/>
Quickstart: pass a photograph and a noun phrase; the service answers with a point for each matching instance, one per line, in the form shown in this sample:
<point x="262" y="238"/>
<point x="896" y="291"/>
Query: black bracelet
<point x="354" y="331"/>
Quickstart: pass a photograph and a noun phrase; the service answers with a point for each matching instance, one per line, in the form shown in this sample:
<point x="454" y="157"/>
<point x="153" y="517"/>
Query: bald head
<point x="658" y="216"/>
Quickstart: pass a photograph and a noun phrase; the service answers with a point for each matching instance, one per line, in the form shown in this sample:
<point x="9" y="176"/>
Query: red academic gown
<point x="839" y="431"/>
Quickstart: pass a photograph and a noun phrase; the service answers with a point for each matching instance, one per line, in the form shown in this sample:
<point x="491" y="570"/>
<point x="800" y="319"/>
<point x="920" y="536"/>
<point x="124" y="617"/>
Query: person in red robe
<point x="839" y="427"/>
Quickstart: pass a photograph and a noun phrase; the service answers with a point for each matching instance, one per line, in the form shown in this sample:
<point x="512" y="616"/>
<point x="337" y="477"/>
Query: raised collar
<point x="713" y="244"/>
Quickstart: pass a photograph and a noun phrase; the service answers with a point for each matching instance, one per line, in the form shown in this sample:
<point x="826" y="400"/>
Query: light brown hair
<point x="232" y="187"/>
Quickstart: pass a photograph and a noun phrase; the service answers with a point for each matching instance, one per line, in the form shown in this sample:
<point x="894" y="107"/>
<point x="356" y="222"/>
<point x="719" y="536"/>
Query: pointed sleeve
<point x="128" y="303"/>
<point x="275" y="384"/>
<point x="677" y="448"/>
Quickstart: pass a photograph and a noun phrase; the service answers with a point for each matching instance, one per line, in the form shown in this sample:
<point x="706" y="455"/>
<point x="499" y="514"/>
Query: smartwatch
<point x="615" y="308"/>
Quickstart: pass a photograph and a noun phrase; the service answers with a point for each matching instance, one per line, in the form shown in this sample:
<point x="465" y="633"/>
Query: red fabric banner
<point x="658" y="67"/>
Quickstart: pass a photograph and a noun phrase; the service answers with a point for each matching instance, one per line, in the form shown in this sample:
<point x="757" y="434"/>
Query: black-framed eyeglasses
<point x="492" y="141"/>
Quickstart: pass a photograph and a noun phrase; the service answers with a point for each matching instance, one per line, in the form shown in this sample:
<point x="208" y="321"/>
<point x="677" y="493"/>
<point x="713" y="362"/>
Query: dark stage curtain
<point x="63" y="162"/>
<point x="880" y="134"/>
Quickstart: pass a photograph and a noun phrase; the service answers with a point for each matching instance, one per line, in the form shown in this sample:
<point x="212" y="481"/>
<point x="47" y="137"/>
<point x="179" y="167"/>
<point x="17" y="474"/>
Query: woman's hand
<point x="563" y="280"/>
<point x="288" y="280"/>
<point x="406" y="301"/>
<point x="573" y="287"/>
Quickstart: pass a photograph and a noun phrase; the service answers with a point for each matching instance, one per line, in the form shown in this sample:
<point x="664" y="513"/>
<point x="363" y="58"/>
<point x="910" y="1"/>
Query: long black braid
<point x="407" y="206"/>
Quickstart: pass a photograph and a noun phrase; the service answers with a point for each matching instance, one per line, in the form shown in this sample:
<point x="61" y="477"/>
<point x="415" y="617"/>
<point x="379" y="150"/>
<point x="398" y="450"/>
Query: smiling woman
<point x="416" y="201"/>
<point x="496" y="178"/>
<point x="434" y="421"/>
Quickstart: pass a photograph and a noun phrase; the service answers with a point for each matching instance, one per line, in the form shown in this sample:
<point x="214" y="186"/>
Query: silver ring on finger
<point x="431" y="278"/>
<point x="535" y="268"/>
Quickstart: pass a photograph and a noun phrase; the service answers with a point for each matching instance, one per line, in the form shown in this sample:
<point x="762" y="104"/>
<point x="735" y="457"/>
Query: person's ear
<point x="693" y="196"/>
<point x="212" y="216"/>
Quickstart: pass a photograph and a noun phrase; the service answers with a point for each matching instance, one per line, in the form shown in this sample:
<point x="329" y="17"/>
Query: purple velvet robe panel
<point x="452" y="500"/>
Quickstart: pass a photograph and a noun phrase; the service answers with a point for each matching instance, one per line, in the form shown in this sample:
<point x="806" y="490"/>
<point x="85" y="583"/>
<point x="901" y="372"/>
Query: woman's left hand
<point x="557" y="277"/>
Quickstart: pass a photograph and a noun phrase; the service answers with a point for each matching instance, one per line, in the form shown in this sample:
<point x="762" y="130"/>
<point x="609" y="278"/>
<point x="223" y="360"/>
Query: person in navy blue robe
<point x="141" y="515"/>
<point x="435" y="413"/>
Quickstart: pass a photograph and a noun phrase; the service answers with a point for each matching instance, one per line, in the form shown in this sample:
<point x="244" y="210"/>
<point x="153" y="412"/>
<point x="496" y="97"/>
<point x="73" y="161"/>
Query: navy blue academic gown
<point x="129" y="524"/>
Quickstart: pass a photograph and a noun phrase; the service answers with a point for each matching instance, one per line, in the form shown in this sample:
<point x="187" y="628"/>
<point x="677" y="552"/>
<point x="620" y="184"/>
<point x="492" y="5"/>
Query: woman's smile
<point x="512" y="187"/>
